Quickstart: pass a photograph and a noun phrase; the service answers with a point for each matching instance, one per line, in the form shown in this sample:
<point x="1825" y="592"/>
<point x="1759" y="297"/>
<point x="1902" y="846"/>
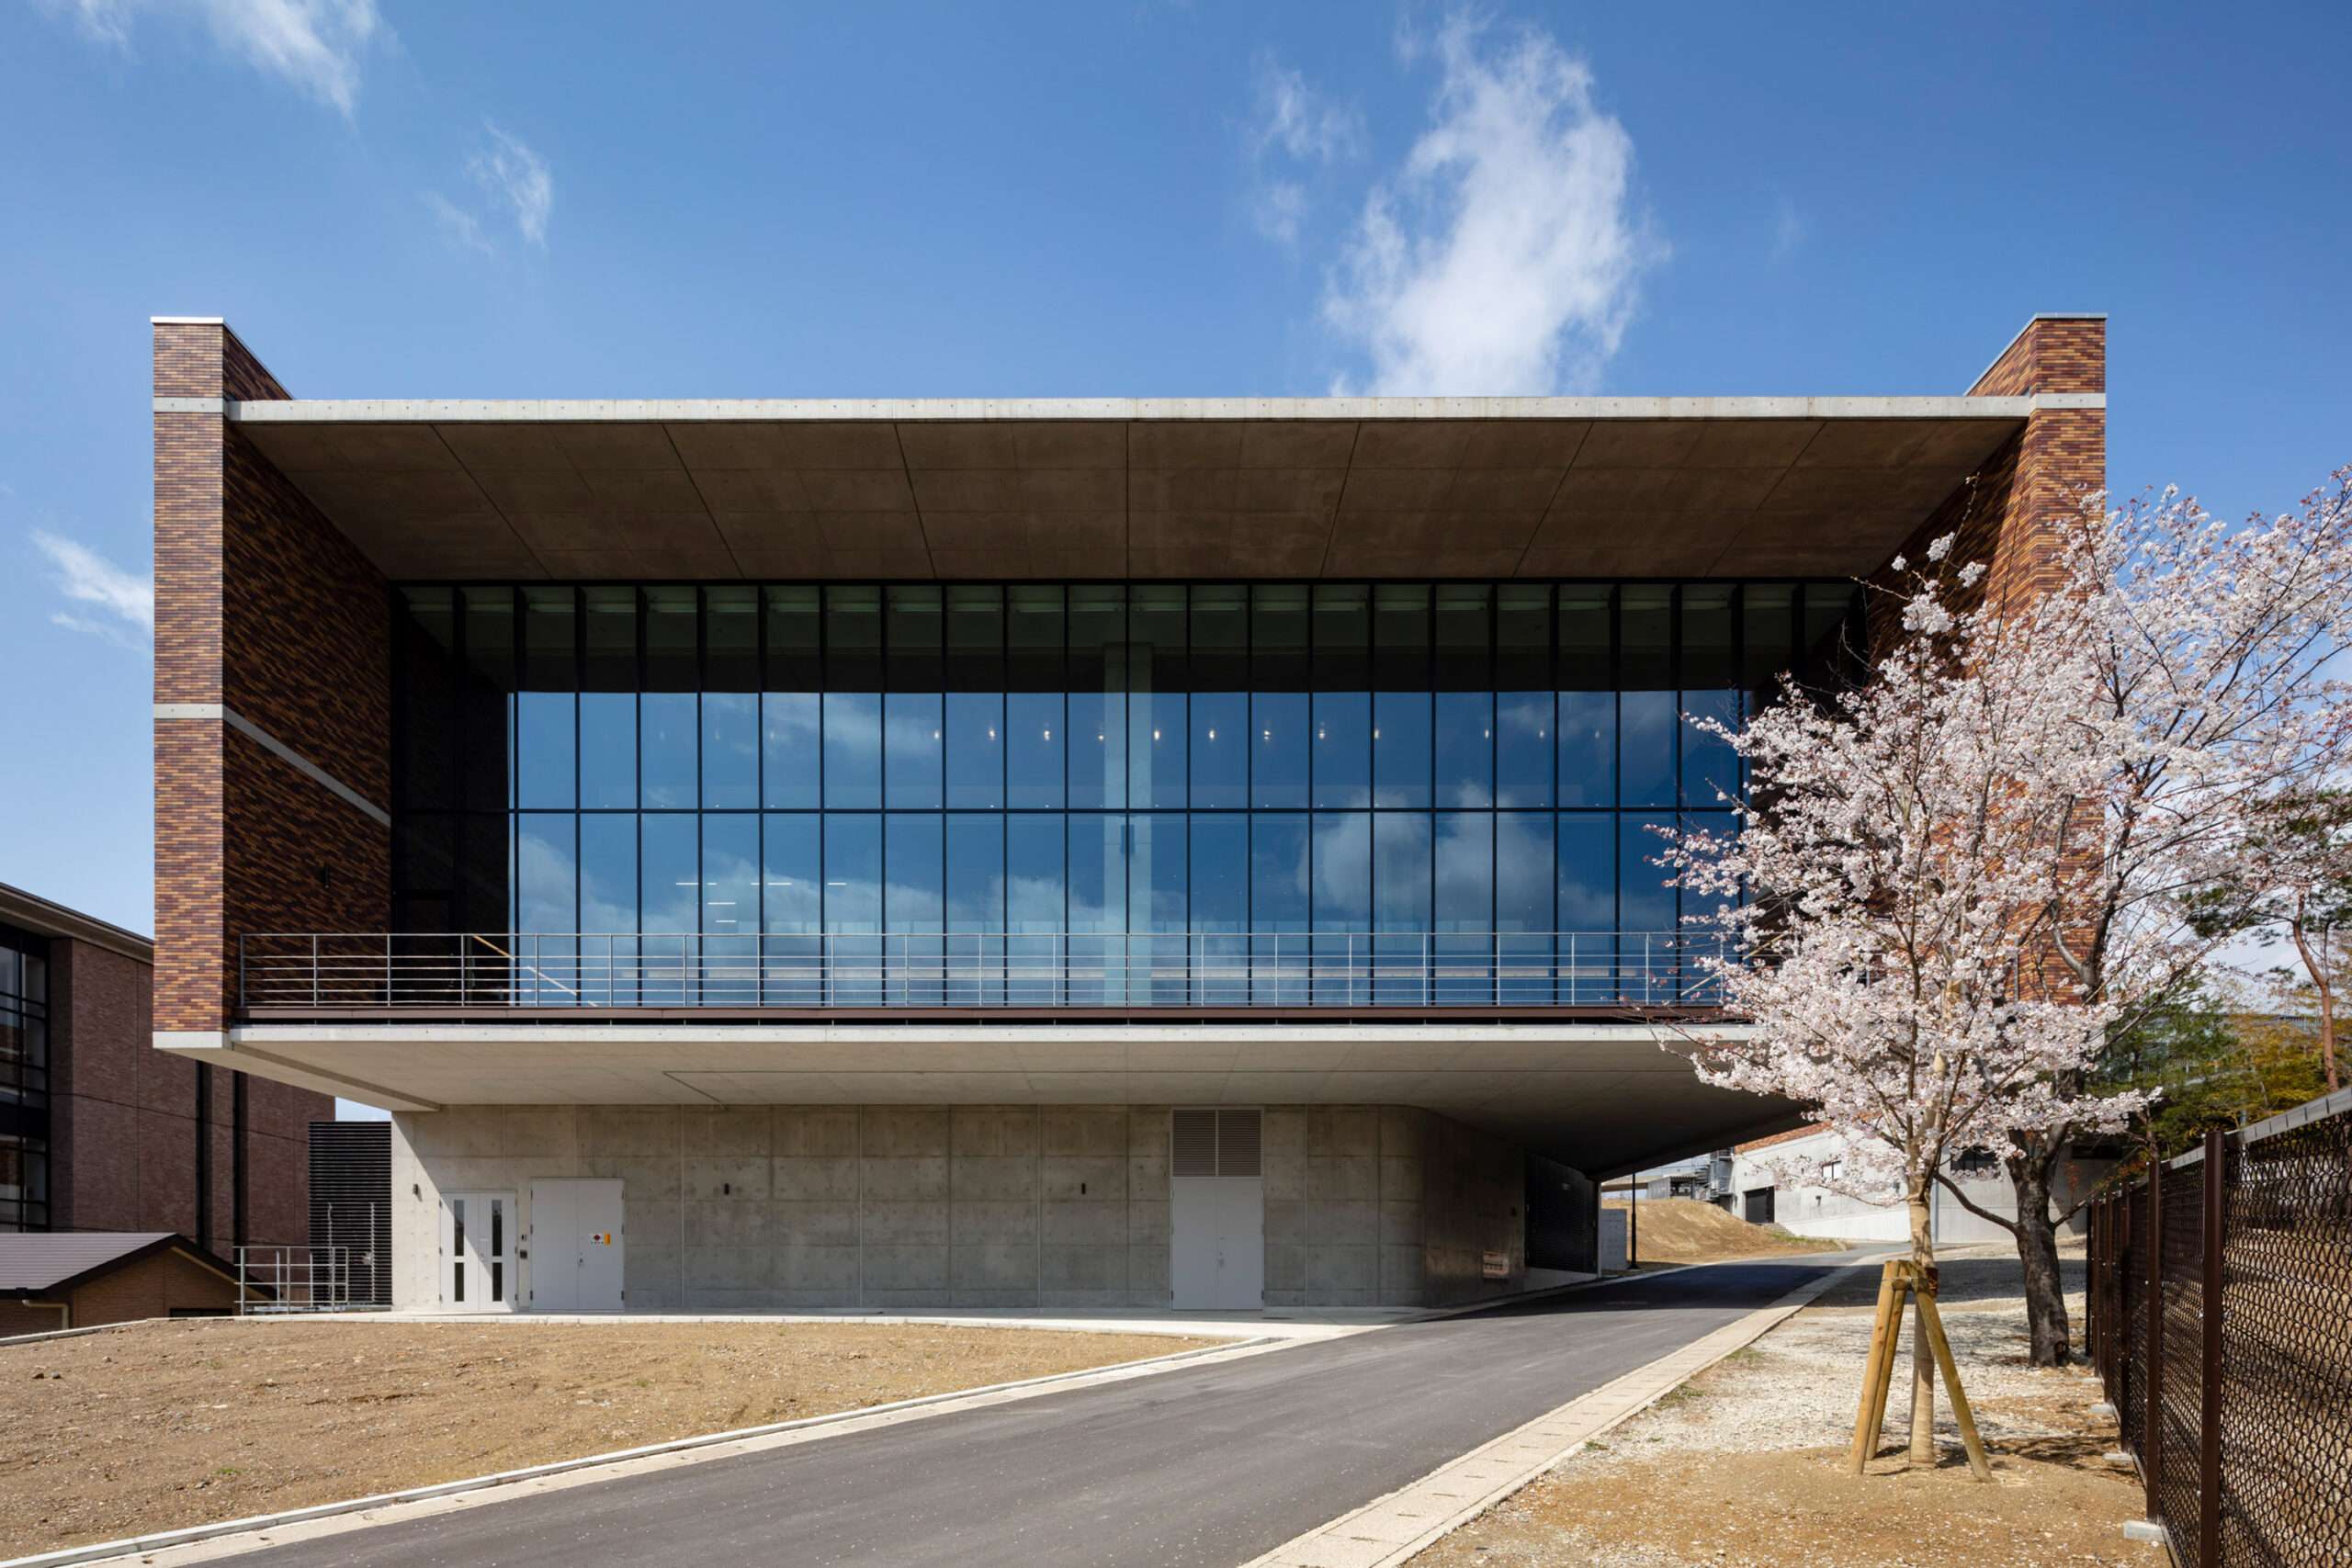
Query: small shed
<point x="81" y="1279"/>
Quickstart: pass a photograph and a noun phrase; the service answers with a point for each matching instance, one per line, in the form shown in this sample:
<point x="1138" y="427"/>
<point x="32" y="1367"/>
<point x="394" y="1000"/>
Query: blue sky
<point x="389" y="198"/>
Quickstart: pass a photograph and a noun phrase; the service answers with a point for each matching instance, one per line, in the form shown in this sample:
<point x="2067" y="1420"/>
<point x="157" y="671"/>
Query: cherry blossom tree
<point x="1891" y="898"/>
<point x="2035" y="822"/>
<point x="2215" y="707"/>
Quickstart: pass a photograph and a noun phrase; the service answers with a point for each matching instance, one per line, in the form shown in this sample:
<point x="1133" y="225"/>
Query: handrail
<point x="597" y="970"/>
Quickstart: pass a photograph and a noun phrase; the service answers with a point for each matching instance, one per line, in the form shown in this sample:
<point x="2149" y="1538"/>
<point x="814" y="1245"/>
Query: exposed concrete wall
<point x="812" y="1206"/>
<point x="1387" y="1205"/>
<point x="932" y="1206"/>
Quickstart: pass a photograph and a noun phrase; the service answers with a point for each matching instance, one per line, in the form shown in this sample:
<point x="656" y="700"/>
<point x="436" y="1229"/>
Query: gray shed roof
<point x="59" y="1260"/>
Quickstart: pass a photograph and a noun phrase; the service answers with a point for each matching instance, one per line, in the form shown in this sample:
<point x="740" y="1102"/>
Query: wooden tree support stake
<point x="1900" y="1282"/>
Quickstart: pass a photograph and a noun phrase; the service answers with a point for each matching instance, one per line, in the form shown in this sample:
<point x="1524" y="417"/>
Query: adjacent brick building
<point x="100" y="1133"/>
<point x="775" y="852"/>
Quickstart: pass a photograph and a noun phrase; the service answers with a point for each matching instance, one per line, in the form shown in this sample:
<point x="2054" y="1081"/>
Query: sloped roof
<point x="60" y="1260"/>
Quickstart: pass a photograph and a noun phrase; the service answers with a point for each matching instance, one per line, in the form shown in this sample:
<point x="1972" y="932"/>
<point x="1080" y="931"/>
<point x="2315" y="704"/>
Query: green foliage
<point x="2214" y="1064"/>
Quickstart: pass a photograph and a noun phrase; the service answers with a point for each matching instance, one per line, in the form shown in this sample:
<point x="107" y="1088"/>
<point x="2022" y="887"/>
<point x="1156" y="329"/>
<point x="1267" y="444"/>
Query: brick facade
<point x="125" y="1121"/>
<point x="264" y="606"/>
<point x="2007" y="514"/>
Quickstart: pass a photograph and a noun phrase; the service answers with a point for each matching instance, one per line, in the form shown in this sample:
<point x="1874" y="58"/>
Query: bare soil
<point x="2051" y="1503"/>
<point x="1683" y="1230"/>
<point x="157" y="1426"/>
<point x="1745" y="1465"/>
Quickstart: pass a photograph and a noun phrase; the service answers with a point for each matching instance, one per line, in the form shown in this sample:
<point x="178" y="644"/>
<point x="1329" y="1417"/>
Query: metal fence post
<point x="2151" y="1442"/>
<point x="2208" y="1437"/>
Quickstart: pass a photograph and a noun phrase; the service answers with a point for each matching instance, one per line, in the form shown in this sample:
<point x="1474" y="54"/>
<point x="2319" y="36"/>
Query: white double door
<point x="1217" y="1204"/>
<point x="477" y="1260"/>
<point x="576" y="1243"/>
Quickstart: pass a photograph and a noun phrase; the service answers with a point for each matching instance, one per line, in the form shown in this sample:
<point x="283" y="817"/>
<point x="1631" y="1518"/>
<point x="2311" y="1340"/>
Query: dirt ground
<point x="161" y="1425"/>
<point x="1683" y="1230"/>
<point x="1745" y="1465"/>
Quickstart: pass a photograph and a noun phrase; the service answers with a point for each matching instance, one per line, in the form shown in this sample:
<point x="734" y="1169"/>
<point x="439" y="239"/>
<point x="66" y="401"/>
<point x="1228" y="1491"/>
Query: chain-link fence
<point x="2220" y="1319"/>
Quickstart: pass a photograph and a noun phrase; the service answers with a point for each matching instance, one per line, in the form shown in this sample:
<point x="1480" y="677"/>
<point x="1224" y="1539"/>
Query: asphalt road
<point x="1211" y="1466"/>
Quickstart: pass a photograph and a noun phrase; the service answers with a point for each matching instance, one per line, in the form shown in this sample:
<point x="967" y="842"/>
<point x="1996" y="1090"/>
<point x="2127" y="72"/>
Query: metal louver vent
<point x="1238" y="1137"/>
<point x="1196" y="1144"/>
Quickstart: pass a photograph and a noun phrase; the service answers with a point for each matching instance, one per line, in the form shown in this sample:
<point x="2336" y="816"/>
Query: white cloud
<point x="463" y="228"/>
<point x="1298" y="128"/>
<point x="515" y="177"/>
<point x="84" y="577"/>
<point x="1294" y="118"/>
<point x="1787" y="231"/>
<point x="314" y="44"/>
<point x="1503" y="259"/>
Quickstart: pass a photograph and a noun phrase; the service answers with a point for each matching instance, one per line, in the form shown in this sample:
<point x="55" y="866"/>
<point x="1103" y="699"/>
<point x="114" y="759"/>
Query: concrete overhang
<point x="1132" y="488"/>
<point x="1602" y="1096"/>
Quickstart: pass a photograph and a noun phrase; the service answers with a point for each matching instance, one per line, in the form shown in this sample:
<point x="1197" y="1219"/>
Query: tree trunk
<point x="1923" y="1360"/>
<point x="2032" y="1167"/>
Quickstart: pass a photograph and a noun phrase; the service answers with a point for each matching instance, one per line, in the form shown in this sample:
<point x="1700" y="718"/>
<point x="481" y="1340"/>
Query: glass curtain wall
<point x="1174" y="791"/>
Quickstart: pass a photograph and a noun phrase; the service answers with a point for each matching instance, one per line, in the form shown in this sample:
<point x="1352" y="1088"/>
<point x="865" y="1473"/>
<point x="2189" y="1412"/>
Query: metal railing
<point x="2220" y="1322"/>
<point x="352" y="971"/>
<point x="293" y="1278"/>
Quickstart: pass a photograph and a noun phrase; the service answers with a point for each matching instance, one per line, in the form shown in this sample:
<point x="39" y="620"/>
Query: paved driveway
<point x="1211" y="1466"/>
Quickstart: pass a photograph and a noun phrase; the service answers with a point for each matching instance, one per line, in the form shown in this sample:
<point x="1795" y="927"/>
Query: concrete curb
<point x="1390" y="1530"/>
<point x="327" y="1518"/>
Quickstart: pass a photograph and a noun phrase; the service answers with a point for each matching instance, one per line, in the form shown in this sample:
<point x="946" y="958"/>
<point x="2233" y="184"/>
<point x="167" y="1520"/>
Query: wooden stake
<point x="1933" y="1321"/>
<point x="1878" y="1375"/>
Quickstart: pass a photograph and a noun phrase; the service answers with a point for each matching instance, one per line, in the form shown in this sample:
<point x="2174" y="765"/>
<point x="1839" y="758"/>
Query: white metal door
<point x="576" y="1246"/>
<point x="477" y="1269"/>
<point x="1216" y="1199"/>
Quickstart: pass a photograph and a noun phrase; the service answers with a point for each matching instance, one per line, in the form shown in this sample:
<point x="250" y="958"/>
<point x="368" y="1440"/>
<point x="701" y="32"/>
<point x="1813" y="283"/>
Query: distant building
<point x="98" y="1131"/>
<point x="1762" y="1195"/>
<point x="88" y="1278"/>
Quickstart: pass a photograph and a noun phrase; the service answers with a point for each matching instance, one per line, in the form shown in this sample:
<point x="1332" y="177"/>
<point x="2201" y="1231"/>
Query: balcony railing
<point x="364" y="972"/>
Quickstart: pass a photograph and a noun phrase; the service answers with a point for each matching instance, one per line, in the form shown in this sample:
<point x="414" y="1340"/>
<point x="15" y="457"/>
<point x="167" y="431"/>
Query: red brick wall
<point x="16" y="1319"/>
<point x="2006" y="514"/>
<point x="150" y="1288"/>
<point x="261" y="605"/>
<point x="123" y="1129"/>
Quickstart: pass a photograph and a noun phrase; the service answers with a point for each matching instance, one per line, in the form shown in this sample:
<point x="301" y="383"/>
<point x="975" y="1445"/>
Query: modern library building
<point x="1109" y="852"/>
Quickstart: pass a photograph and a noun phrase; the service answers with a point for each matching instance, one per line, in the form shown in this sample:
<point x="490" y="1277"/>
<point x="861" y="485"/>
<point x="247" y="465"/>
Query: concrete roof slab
<point x="1307" y="445"/>
<point x="442" y="491"/>
<point x="1719" y="492"/>
<point x="1638" y="444"/>
<point x="1394" y="490"/>
<point x="1411" y="444"/>
<point x="486" y="447"/>
<point x="1751" y="443"/>
<point x="753" y="489"/>
<point x="958" y="446"/>
<point x="1502" y="490"/>
<point x="385" y="448"/>
<point x="859" y="490"/>
<point x="1879" y="443"/>
<point x="1182" y="490"/>
<point x="1183" y="486"/>
<point x="605" y="448"/>
<point x="1549" y="445"/>
<point x="1304" y="492"/>
<point x="536" y="489"/>
<point x="966" y="489"/>
<point x="1060" y="443"/>
<point x="1205" y="444"/>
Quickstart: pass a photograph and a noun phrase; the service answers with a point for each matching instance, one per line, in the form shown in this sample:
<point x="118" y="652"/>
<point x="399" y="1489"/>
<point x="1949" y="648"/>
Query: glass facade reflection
<point x="1095" y="758"/>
